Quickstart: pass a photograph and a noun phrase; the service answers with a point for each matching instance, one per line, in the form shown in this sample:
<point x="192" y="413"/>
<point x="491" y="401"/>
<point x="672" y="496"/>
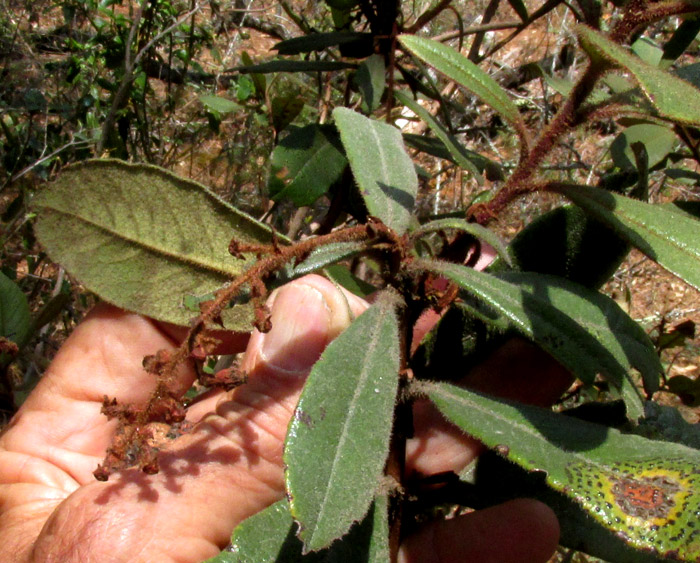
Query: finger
<point x="230" y="466"/>
<point x="518" y="531"/>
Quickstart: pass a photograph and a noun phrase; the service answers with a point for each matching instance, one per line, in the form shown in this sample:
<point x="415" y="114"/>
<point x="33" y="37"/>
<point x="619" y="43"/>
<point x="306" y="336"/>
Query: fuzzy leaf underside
<point x="338" y="439"/>
<point x="143" y="238"/>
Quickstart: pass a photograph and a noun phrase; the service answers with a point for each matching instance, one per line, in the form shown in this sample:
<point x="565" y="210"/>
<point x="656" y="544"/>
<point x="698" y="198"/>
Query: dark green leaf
<point x="294" y="66"/>
<point x="673" y="98"/>
<point x="458" y="153"/>
<point x="320" y="41"/>
<point x="584" y="330"/>
<point x="460" y="69"/>
<point x="682" y="38"/>
<point x="690" y="73"/>
<point x="370" y="79"/>
<point x="382" y="169"/>
<point x="600" y="468"/>
<point x="285" y="109"/>
<point x="305" y="164"/>
<point x="566" y="242"/>
<point x="338" y="439"/>
<point x="142" y="238"/>
<point x="15" y="320"/>
<point x="665" y="235"/>
<point x="259" y="81"/>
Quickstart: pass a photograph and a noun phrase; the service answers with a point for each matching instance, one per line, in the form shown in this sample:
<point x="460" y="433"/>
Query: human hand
<point x="228" y="468"/>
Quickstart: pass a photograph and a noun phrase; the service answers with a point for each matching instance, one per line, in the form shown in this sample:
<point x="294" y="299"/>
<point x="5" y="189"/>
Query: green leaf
<point x="142" y="238"/>
<point x="436" y="147"/>
<point x="219" y="104"/>
<point x="460" y="69"/>
<point x="370" y="79"/>
<point x="338" y="439"/>
<point x="15" y="320"/>
<point x="326" y="255"/>
<point x="647" y="50"/>
<point x="305" y="164"/>
<point x="478" y="231"/>
<point x="458" y="153"/>
<point x="294" y="66"/>
<point x="270" y="537"/>
<point x="673" y="98"/>
<point x="382" y="169"/>
<point x="584" y="330"/>
<point x="607" y="472"/>
<point x="657" y="139"/>
<point x="667" y="236"/>
<point x="320" y="41"/>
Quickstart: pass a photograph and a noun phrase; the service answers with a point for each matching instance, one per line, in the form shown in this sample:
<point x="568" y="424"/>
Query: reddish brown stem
<point x="519" y="182"/>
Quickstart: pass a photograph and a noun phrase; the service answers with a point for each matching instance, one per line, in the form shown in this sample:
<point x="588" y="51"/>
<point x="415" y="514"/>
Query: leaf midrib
<point x="149" y="247"/>
<point x="353" y="404"/>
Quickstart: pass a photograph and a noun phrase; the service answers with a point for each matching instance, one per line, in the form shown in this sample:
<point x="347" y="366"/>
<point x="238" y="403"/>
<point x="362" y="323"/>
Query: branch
<point x="427" y="16"/>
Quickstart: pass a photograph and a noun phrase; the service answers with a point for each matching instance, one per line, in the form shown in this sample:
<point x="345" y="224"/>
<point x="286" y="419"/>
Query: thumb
<point x="305" y="315"/>
<point x="230" y="466"/>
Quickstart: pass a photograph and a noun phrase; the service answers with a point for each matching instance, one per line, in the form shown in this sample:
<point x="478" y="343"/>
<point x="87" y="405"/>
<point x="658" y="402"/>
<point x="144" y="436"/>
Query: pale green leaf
<point x="218" y="104"/>
<point x="338" y="439"/>
<point x="667" y="236"/>
<point x="673" y="98"/>
<point x="327" y="255"/>
<point x="460" y="69"/>
<point x="382" y="169"/>
<point x="143" y="238"/>
<point x="599" y="467"/>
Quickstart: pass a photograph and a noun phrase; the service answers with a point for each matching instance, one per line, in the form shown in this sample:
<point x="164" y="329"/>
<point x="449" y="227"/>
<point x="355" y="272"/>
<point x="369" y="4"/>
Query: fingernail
<point x="301" y="321"/>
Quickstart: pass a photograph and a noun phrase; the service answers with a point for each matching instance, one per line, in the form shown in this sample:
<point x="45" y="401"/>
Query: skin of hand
<point x="229" y="467"/>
